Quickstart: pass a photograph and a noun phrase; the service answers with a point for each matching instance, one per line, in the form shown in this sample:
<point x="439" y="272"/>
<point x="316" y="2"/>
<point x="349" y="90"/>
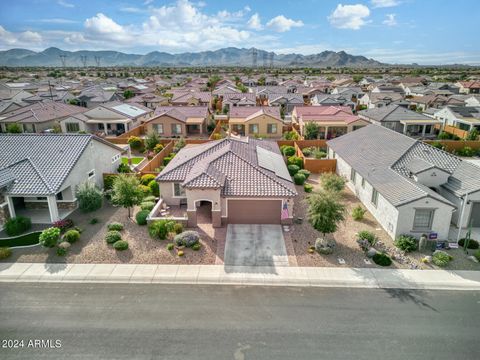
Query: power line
<point x="97" y="60"/>
<point x="254" y="57"/>
<point x="63" y="59"/>
<point x="83" y="59"/>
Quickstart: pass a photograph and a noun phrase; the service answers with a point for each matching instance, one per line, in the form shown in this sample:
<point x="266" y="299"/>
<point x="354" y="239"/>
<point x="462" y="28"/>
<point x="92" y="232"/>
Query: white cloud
<point x="57" y="21"/>
<point x="65" y="4"/>
<point x="17" y="39"/>
<point x="349" y="16"/>
<point x="255" y="23"/>
<point x="101" y="27"/>
<point x="132" y="10"/>
<point x="390" y="20"/>
<point x="281" y="23"/>
<point x="147" y="2"/>
<point x="384" y="3"/>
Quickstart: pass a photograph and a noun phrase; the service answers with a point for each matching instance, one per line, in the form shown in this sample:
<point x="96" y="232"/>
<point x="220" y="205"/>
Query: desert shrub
<point x="62" y="251"/>
<point x="179" y="145"/>
<point x="180" y="253"/>
<point x="145" y="179"/>
<point x="319" y="154"/>
<point x="124" y="168"/>
<point x="154" y="188"/>
<point x="293" y="169"/>
<point x="90" y="198"/>
<point x="108" y="182"/>
<point x="5" y="252"/>
<point x="196" y="247"/>
<point x="358" y="213"/>
<point x="141" y="217"/>
<point x="93" y="221"/>
<point x="304" y="172"/>
<point x="160" y="229"/>
<point x="288" y="151"/>
<point x="14" y="128"/>
<point x="115" y="226"/>
<point x="167" y="159"/>
<point x="308" y="188"/>
<point x="438" y="145"/>
<point x="444" y="136"/>
<point x="295" y="160"/>
<point x="147" y="205"/>
<point x="145" y="190"/>
<point x="64" y="224"/>
<point x="113" y="236"/>
<point x="382" y="259"/>
<point x="476" y="254"/>
<point x="71" y="236"/>
<point x="307" y="151"/>
<point x="151" y="140"/>
<point x="324" y="246"/>
<point x="406" y="243"/>
<point x="472" y="244"/>
<point x="299" y="179"/>
<point x="178" y="228"/>
<point x="170" y="246"/>
<point x="441" y="258"/>
<point x="466" y="151"/>
<point x="120" y="245"/>
<point x="149" y="198"/>
<point x="158" y="148"/>
<point x="332" y="182"/>
<point x="135" y="142"/>
<point x="49" y="237"/>
<point x="367" y="235"/>
<point x="17" y="225"/>
<point x="187" y="238"/>
<point x="216" y="136"/>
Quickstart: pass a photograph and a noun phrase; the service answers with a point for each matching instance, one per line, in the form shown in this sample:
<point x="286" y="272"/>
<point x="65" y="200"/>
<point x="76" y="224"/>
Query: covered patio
<point x="420" y="128"/>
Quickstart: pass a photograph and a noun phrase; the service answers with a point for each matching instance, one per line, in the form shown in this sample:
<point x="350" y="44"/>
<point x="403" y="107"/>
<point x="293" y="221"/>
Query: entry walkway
<point x="241" y="275"/>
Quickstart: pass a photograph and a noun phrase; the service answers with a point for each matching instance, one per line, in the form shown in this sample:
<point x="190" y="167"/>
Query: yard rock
<point x="64" y="245"/>
<point x="472" y="258"/>
<point x="371" y="252"/>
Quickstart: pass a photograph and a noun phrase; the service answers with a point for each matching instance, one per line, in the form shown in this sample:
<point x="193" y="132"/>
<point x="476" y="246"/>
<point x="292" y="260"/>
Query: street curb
<point x="241" y="276"/>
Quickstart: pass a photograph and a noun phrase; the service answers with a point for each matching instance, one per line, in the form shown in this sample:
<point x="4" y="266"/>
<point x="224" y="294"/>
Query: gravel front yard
<point x="92" y="248"/>
<point x="303" y="236"/>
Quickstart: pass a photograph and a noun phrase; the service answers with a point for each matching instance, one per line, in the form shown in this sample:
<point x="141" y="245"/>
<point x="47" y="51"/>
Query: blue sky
<point x="393" y="31"/>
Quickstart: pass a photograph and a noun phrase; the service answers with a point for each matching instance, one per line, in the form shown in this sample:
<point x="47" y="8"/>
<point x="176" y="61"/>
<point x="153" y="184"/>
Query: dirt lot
<point x="303" y="236"/>
<point x="92" y="248"/>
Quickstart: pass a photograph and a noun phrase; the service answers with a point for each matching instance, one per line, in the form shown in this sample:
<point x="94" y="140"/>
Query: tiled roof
<point x="250" y="112"/>
<point x="41" y="112"/>
<point x="230" y="164"/>
<point x="185" y="96"/>
<point x="393" y="112"/>
<point x="40" y="163"/>
<point x="325" y="113"/>
<point x="182" y="113"/>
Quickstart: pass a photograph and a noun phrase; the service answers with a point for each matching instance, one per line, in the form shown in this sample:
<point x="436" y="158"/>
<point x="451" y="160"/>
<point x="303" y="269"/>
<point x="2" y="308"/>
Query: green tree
<point x="127" y="94"/>
<point x="126" y="191"/>
<point x="325" y="211"/>
<point x="212" y="82"/>
<point x="151" y="140"/>
<point x="311" y="131"/>
<point x="472" y="134"/>
<point x="14" y="128"/>
<point x="332" y="182"/>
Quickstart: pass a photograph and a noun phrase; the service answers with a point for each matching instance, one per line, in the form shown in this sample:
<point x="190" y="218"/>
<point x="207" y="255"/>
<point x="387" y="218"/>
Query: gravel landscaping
<point x="303" y="236"/>
<point x="92" y="248"/>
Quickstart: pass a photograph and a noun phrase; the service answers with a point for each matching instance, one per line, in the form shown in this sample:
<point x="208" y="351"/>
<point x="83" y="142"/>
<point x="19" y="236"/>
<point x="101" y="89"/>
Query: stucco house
<point x="469" y="87"/>
<point x="379" y="99"/>
<point x="112" y="118"/>
<point x="174" y="121"/>
<point x="236" y="181"/>
<point x="402" y="120"/>
<point x="260" y="121"/>
<point x="238" y="99"/>
<point x="409" y="187"/>
<point x="39" y="173"/>
<point x="333" y="120"/>
<point x="462" y="117"/>
<point x="191" y="98"/>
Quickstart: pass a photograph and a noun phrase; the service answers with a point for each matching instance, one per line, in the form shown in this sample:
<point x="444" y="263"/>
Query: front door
<point x="475" y="215"/>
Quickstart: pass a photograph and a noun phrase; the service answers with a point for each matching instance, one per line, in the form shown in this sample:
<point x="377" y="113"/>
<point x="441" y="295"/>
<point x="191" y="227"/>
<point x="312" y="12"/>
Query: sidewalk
<point x="241" y="275"/>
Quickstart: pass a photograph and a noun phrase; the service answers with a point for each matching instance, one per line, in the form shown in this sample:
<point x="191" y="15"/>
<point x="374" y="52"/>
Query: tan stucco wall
<point x="262" y="121"/>
<point x="212" y="195"/>
<point x="166" y="192"/>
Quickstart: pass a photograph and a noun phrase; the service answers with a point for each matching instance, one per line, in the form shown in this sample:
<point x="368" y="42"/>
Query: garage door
<point x="254" y="211"/>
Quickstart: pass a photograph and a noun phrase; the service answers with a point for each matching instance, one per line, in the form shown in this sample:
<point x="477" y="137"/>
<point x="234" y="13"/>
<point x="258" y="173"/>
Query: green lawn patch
<point x="135" y="160"/>
<point x="22" y="240"/>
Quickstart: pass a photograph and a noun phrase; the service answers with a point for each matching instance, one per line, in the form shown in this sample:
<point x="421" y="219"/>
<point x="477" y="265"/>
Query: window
<point x="176" y="129"/>
<point x="91" y="175"/>
<point x="363" y="183"/>
<point x="272" y="128"/>
<point x="158" y="128"/>
<point x="101" y="127"/>
<point x="353" y="175"/>
<point x="59" y="196"/>
<point x="253" y="128"/>
<point x="374" y="197"/>
<point x="178" y="190"/>
<point x="72" y="127"/>
<point x="115" y="158"/>
<point x="423" y="219"/>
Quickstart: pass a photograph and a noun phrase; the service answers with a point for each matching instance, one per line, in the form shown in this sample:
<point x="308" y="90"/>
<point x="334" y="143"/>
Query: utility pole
<point x="83" y="59"/>
<point x="50" y="89"/>
<point x="97" y="60"/>
<point x="254" y="58"/>
<point x="63" y="59"/>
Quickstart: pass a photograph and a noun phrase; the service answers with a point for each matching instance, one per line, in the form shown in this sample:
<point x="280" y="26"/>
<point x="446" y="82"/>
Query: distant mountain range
<point x="52" y="57"/>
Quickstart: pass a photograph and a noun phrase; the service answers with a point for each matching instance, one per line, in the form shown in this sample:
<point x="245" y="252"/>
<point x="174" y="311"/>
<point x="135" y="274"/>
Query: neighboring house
<point x="39" y="117"/>
<point x="430" y="101"/>
<point x="113" y="118"/>
<point x="408" y="186"/>
<point x="237" y="181"/>
<point x="402" y="120"/>
<point x="333" y="121"/>
<point x="238" y="99"/>
<point x="388" y="88"/>
<point x="96" y="95"/>
<point x="191" y="98"/>
<point x="332" y="100"/>
<point x="379" y="99"/>
<point x="473" y="100"/>
<point x="225" y="89"/>
<point x="462" y="117"/>
<point x="12" y="99"/>
<point x="350" y="93"/>
<point x="150" y="101"/>
<point x="39" y="173"/>
<point x="54" y="95"/>
<point x="469" y="87"/>
<point x="285" y="101"/>
<point x="174" y="121"/>
<point x="256" y="121"/>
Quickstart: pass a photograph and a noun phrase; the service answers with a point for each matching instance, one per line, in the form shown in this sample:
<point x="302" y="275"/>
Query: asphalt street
<point x="135" y="321"/>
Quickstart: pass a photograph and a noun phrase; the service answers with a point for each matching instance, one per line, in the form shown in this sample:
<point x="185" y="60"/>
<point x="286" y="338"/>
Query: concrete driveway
<point x="255" y="245"/>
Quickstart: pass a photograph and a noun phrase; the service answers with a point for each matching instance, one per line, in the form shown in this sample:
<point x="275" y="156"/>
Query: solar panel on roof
<point x="273" y="162"/>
